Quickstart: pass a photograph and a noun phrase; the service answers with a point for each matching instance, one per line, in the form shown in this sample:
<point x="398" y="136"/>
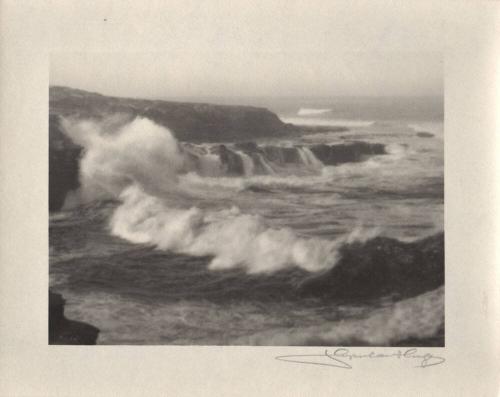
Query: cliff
<point x="191" y="122"/>
<point x="194" y="122"/>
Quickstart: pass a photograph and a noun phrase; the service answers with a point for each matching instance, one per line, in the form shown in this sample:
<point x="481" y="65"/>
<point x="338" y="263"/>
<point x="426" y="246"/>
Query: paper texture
<point x="33" y="32"/>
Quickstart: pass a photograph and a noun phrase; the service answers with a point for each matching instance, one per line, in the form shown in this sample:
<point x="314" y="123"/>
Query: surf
<point x="140" y="166"/>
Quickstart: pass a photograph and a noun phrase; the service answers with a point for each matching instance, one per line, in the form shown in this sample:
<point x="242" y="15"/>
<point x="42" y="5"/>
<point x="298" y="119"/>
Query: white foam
<point x="418" y="317"/>
<point x="140" y="152"/>
<point x="210" y="165"/>
<point x="248" y="165"/>
<point x="312" y="160"/>
<point x="266" y="165"/>
<point x="232" y="238"/>
<point x="312" y="111"/>
<point x="183" y="321"/>
<point x="139" y="165"/>
<point x="326" y="122"/>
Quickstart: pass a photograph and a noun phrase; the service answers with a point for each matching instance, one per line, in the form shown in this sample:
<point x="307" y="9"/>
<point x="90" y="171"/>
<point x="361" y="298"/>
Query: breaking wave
<point x="283" y="218"/>
<point x="141" y="164"/>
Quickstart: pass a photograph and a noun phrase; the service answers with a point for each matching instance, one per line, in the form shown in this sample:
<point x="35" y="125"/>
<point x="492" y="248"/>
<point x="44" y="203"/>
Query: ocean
<point x="170" y="242"/>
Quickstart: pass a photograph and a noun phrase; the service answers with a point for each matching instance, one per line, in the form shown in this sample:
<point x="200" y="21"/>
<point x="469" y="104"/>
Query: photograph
<point x="251" y="198"/>
<point x="282" y="199"/>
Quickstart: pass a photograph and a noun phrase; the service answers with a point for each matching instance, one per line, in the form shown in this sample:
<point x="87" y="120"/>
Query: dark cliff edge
<point x="67" y="332"/>
<point x="64" y="157"/>
<point x="192" y="122"/>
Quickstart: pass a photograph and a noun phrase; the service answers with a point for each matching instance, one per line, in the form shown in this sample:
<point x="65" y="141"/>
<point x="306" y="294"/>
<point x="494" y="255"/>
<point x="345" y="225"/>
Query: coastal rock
<point x="196" y="122"/>
<point x="381" y="267"/>
<point x="282" y="155"/>
<point x="346" y="153"/>
<point x="64" y="157"/>
<point x="190" y="122"/>
<point x="67" y="332"/>
<point x="232" y="163"/>
<point x="247" y="147"/>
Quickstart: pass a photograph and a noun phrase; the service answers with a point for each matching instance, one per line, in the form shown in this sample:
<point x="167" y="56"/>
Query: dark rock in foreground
<point x="67" y="332"/>
<point x="382" y="267"/>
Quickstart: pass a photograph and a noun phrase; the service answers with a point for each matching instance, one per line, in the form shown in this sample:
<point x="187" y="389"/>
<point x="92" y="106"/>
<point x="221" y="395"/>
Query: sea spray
<point x="209" y="165"/>
<point x="265" y="164"/>
<point x="309" y="159"/>
<point x="140" y="294"/>
<point x="139" y="165"/>
<point x="418" y="317"/>
<point x="233" y="239"/>
<point x="248" y="165"/>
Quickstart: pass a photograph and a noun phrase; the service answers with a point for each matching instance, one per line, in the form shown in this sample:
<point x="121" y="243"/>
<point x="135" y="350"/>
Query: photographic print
<point x="267" y="220"/>
<point x="277" y="198"/>
<point x="199" y="193"/>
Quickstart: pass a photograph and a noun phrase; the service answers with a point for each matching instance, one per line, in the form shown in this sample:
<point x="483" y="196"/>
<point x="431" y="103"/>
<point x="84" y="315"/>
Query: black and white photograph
<point x="282" y="200"/>
<point x="251" y="198"/>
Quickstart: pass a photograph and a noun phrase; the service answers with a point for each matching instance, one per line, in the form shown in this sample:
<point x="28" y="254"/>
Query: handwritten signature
<point x="342" y="358"/>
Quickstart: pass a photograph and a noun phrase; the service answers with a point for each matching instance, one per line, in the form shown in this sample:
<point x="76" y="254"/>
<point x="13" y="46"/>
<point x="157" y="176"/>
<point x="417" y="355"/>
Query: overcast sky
<point x="292" y="48"/>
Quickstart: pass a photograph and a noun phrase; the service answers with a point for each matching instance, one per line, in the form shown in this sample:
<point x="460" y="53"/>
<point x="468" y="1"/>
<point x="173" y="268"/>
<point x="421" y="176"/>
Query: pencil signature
<point x="343" y="358"/>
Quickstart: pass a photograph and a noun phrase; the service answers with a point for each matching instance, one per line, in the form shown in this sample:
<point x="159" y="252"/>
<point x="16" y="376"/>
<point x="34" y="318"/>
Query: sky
<point x="278" y="48"/>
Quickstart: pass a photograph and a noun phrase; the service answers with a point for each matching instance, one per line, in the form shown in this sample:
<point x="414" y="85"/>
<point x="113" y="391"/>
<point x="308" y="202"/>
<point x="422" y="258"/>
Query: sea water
<point x="162" y="245"/>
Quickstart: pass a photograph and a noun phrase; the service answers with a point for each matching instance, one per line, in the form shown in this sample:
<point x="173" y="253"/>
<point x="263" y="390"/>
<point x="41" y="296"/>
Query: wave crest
<point x="233" y="239"/>
<point x="139" y="165"/>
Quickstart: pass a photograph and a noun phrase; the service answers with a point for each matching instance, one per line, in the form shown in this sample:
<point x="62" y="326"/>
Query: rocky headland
<point x="191" y="123"/>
